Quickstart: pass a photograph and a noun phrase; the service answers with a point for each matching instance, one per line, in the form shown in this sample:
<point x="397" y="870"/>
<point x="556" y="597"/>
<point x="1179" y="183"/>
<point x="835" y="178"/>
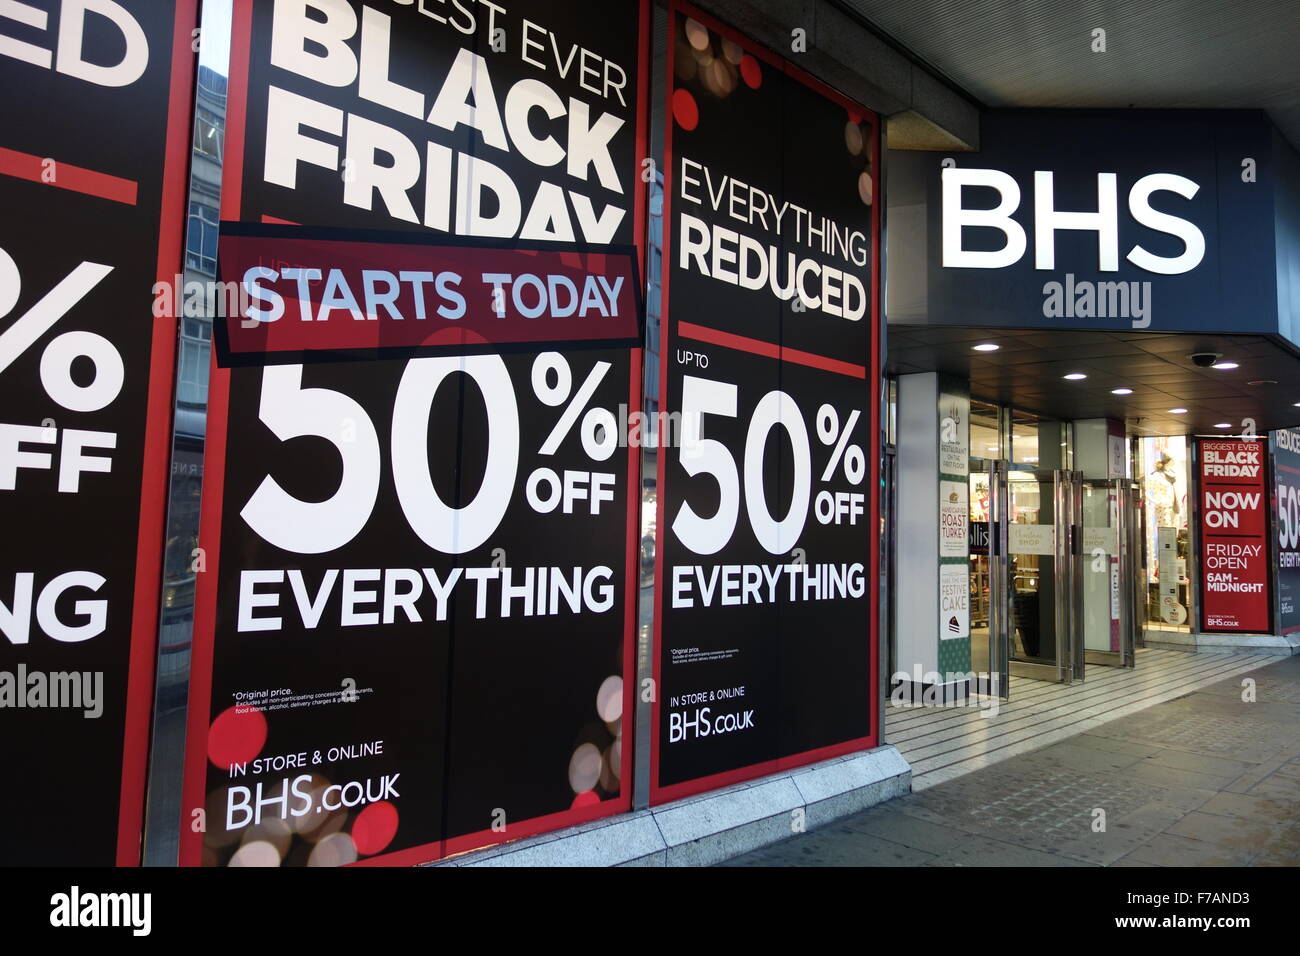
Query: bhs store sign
<point x="1086" y="299"/>
<point x="1081" y="219"/>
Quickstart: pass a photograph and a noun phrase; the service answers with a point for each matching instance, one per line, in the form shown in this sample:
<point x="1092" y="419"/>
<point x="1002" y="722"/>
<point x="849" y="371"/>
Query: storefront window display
<point x="1166" y="510"/>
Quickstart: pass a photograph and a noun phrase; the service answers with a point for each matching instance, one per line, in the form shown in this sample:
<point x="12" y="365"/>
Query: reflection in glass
<point x="1031" y="548"/>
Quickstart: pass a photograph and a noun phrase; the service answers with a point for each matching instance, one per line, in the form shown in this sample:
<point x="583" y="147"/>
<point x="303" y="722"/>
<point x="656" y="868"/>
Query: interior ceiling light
<point x="1121" y="391"/>
<point x="1180" y="411"/>
<point x="1225" y="366"/>
<point x="1076" y="376"/>
<point x="1224" y="425"/>
<point x="987" y="347"/>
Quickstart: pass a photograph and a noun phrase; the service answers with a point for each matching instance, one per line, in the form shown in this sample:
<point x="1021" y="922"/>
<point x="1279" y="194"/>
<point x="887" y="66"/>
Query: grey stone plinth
<point x="1282" y="644"/>
<point x="711" y="827"/>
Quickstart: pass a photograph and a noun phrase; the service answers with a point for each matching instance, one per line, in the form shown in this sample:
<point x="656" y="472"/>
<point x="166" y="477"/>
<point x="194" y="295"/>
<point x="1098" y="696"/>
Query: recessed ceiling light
<point x="1121" y="391"/>
<point x="986" y="347"/>
<point x="1225" y="366"/>
<point x="1076" y="376"/>
<point x="1183" y="411"/>
<point x="990" y="447"/>
<point x="1263" y="381"/>
<point x="1224" y="425"/>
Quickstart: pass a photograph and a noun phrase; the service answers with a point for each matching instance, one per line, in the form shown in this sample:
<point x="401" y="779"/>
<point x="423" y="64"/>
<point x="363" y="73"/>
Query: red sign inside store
<point x="1234" y="536"/>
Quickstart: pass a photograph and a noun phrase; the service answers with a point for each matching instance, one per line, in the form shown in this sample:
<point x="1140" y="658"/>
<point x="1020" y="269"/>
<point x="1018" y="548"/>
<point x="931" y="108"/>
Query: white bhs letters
<point x="1048" y="220"/>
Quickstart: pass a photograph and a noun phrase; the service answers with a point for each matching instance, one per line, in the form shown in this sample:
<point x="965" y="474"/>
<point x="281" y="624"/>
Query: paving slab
<point x="1251" y="806"/>
<point x="1205" y="779"/>
<point x="835" y="846"/>
<point x="1172" y="849"/>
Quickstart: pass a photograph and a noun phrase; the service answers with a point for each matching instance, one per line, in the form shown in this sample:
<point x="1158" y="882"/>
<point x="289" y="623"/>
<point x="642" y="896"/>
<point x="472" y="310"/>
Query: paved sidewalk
<point x="1206" y="779"/>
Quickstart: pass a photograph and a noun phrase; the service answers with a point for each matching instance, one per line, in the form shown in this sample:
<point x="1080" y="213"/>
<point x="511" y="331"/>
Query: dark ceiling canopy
<point x="1166" y="54"/>
<point x="1028" y="371"/>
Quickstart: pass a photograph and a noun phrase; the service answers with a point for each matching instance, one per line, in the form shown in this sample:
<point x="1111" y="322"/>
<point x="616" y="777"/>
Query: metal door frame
<point x="1137" y="573"/>
<point x="996" y="682"/>
<point x="1069" y="613"/>
<point x="1141" y="560"/>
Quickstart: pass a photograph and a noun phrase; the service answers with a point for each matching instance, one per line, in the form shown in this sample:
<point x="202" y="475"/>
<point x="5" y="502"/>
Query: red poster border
<point x="1265" y="537"/>
<point x="1277" y="466"/>
<point x="200" y="700"/>
<point x="154" y="483"/>
<point x="663" y="794"/>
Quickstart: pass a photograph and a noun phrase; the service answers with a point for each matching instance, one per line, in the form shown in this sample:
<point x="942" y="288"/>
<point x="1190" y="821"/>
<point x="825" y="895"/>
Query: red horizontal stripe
<point x="758" y="347"/>
<point x="67" y="176"/>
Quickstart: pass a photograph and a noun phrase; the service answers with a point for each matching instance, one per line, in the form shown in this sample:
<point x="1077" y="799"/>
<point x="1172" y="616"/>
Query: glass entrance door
<point x="1108" y="567"/>
<point x="1044" y="588"/>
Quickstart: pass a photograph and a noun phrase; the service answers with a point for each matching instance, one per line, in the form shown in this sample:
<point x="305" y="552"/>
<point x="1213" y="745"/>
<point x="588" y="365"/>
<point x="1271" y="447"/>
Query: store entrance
<point x="1044" y="579"/>
<point x="1054" y="574"/>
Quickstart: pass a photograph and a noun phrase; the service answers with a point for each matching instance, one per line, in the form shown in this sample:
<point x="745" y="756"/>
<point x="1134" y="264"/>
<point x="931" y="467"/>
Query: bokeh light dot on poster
<point x="236" y="736"/>
<point x="732" y="52"/>
<point x="256" y="853"/>
<point x="337" y="849"/>
<point x="864" y="187"/>
<point x="584" y="767"/>
<point x="697" y="34"/>
<point x="720" y="79"/>
<point x="685" y="110"/>
<point x="333" y="823"/>
<point x="853" y="138"/>
<point x="609" y="699"/>
<point x="751" y="72"/>
<point x="272" y="830"/>
<point x="375" y="828"/>
<point x="588" y="798"/>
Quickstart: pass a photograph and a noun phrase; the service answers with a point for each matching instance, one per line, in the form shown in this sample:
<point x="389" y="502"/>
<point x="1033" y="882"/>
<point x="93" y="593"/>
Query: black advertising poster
<point x="94" y="137"/>
<point x="767" y="531"/>
<point x="1286" y="485"/>
<point x="418" y="514"/>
